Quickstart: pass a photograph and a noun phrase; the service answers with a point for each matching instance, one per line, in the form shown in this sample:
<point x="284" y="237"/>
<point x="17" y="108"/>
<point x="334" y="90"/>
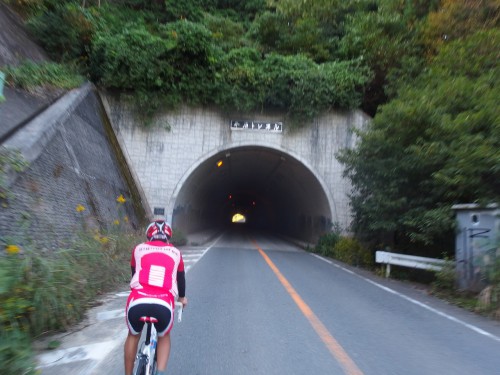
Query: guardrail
<point x="404" y="260"/>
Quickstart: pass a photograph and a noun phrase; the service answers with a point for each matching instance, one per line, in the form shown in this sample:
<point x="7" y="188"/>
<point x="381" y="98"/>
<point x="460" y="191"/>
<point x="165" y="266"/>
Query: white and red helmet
<point x="159" y="230"/>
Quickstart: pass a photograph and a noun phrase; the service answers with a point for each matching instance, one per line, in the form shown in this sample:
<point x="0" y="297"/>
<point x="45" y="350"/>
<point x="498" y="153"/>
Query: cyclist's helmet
<point x="159" y="230"/>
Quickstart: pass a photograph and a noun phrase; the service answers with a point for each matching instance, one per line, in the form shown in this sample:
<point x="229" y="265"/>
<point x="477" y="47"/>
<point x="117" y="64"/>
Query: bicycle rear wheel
<point x="141" y="366"/>
<point x="153" y="365"/>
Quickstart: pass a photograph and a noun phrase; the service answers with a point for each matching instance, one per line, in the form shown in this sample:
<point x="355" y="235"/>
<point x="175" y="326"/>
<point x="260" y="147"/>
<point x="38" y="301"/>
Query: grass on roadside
<point x="30" y="75"/>
<point x="42" y="293"/>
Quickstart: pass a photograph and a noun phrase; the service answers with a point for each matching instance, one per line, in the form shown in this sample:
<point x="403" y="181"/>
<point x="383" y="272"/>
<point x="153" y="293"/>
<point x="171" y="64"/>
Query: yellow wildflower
<point x="116" y="222"/>
<point x="121" y="199"/>
<point x="125" y="219"/>
<point x="104" y="240"/>
<point x="80" y="208"/>
<point x="12" y="249"/>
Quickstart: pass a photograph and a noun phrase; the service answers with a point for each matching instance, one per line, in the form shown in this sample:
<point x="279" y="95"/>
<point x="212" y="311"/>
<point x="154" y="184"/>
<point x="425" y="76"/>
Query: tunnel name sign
<point x="274" y="127"/>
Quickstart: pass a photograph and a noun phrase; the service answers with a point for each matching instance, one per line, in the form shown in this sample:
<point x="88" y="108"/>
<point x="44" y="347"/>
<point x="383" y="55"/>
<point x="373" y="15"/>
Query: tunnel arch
<point x="272" y="187"/>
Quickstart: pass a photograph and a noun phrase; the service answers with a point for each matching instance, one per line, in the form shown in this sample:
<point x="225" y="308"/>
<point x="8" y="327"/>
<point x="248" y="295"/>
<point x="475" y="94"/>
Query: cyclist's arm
<point x="132" y="262"/>
<point x="181" y="283"/>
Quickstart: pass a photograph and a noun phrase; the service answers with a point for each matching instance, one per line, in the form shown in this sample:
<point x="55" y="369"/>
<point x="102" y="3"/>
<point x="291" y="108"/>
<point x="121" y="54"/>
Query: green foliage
<point x="192" y="60"/>
<point x="351" y="251"/>
<point x="186" y="10"/>
<point x="435" y="145"/>
<point x="345" y="249"/>
<point x="445" y="281"/>
<point x="458" y="19"/>
<point x="236" y="10"/>
<point x="30" y="75"/>
<point x="162" y="53"/>
<point x="238" y="80"/>
<point x="64" y="32"/>
<point x="327" y="242"/>
<point x="15" y="352"/>
<point x="386" y="43"/>
<point x="226" y="34"/>
<point x="293" y="83"/>
<point x="15" y="348"/>
<point x="132" y="59"/>
<point x="11" y="161"/>
<point x="276" y="33"/>
<point x="329" y="85"/>
<point x="49" y="291"/>
<point x="166" y="66"/>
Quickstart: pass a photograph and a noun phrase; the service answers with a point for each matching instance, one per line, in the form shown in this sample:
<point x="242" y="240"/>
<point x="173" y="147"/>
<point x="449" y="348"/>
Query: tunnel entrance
<point x="272" y="190"/>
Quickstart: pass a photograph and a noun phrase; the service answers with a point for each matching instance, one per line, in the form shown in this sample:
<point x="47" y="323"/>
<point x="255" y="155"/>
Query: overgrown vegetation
<point x="30" y="76"/>
<point x="345" y="249"/>
<point x="433" y="146"/>
<point x="42" y="292"/>
<point x="203" y="52"/>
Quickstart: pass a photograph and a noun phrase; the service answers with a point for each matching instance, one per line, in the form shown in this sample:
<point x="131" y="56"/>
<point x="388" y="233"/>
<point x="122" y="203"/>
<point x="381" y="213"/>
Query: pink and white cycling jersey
<point x="156" y="265"/>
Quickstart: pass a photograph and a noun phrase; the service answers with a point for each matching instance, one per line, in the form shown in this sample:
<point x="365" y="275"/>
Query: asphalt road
<point x="261" y="306"/>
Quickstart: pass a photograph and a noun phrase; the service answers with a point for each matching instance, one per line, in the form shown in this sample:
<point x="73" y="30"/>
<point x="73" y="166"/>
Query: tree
<point x="457" y="19"/>
<point x="435" y="145"/>
<point x="386" y="39"/>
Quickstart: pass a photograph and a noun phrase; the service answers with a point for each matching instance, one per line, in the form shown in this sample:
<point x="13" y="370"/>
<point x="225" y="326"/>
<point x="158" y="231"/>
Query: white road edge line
<point x="435" y="311"/>
<point x="204" y="252"/>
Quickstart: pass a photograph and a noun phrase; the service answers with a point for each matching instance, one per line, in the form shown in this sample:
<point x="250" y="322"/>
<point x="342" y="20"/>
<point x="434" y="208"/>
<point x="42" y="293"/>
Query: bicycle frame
<point x="147" y="354"/>
<point x="146" y="357"/>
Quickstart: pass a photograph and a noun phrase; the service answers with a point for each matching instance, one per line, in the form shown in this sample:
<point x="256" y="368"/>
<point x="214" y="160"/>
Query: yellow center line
<point x="333" y="346"/>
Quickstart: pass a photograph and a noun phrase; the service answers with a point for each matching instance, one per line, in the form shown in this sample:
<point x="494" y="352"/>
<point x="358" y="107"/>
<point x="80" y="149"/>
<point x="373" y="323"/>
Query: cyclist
<point x="158" y="277"/>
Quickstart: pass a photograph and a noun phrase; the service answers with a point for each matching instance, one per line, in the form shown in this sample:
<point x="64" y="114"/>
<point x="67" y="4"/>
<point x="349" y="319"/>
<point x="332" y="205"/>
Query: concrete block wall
<point x="71" y="162"/>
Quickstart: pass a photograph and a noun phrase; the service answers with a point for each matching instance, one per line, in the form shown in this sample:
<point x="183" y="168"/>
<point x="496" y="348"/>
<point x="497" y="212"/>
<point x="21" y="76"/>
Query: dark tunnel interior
<point x="272" y="190"/>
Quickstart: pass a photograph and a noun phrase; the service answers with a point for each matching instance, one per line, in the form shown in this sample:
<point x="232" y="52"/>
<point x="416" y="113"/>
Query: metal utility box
<point x="477" y="244"/>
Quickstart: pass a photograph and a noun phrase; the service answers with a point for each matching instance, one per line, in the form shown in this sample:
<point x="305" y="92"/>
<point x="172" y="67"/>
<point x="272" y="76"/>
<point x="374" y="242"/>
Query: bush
<point x="445" y="278"/>
<point x="64" y="31"/>
<point x="351" y="251"/>
<point x="46" y="292"/>
<point x="134" y="59"/>
<point x="16" y="355"/>
<point x="326" y="243"/>
<point x="30" y="75"/>
<point x="15" y="305"/>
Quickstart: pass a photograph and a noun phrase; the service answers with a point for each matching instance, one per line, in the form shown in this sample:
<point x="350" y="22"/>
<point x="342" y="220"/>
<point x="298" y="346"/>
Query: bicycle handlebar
<point x="179" y="307"/>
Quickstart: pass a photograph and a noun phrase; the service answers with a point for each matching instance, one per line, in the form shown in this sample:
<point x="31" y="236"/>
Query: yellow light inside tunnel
<point x="239" y="218"/>
<point x="219" y="163"/>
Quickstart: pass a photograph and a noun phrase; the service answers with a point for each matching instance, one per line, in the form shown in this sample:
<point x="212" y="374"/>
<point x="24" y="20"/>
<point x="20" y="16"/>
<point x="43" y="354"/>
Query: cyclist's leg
<point x="130" y="351"/>
<point x="133" y="314"/>
<point x="163" y="352"/>
<point x="164" y="312"/>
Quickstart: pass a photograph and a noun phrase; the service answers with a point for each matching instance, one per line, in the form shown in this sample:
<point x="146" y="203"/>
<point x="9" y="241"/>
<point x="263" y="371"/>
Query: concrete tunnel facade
<point x="284" y="182"/>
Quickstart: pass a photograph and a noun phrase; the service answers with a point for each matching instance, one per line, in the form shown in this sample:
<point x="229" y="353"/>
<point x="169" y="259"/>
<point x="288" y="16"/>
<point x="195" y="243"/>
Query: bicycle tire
<point x="153" y="366"/>
<point x="141" y="366"/>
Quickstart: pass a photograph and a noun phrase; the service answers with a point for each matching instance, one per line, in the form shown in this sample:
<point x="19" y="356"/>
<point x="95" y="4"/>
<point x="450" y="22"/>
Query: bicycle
<point x="147" y="350"/>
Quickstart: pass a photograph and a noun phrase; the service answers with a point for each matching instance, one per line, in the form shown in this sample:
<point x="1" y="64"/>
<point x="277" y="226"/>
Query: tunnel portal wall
<point x="178" y="141"/>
